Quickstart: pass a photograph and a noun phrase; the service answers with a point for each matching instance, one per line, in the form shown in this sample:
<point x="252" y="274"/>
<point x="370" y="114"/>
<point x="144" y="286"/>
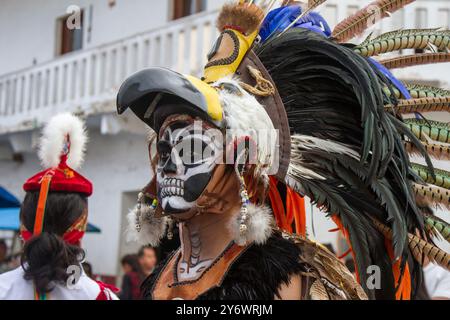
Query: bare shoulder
<point x="291" y="290"/>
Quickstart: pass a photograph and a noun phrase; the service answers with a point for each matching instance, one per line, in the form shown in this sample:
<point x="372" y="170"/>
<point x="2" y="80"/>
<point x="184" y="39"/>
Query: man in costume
<point x="53" y="221"/>
<point x="238" y="200"/>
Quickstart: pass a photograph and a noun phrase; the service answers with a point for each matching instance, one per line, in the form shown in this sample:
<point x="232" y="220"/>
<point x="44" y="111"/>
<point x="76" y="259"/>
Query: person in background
<point x="437" y="281"/>
<point x="53" y="219"/>
<point x="132" y="278"/>
<point x="3" y="253"/>
<point x="147" y="259"/>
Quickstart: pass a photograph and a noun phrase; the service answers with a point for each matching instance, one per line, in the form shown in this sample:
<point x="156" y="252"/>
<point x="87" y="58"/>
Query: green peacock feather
<point x="404" y="39"/>
<point x="423" y="129"/>
<point x="422" y="91"/>
<point x="388" y="93"/>
<point x="418" y="91"/>
<point x="441" y="226"/>
<point x="442" y="177"/>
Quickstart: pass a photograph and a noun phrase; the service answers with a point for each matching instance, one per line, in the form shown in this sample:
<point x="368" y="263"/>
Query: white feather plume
<point x="300" y="143"/>
<point x="259" y="223"/>
<point x="54" y="136"/>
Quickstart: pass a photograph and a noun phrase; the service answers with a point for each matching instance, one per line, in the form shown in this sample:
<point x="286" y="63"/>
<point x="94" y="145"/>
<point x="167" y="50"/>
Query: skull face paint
<point x="188" y="153"/>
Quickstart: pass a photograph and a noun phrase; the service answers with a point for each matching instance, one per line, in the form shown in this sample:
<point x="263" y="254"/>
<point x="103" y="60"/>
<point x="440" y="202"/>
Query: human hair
<point x="133" y="261"/>
<point x="143" y="248"/>
<point x="87" y="267"/>
<point x="47" y="256"/>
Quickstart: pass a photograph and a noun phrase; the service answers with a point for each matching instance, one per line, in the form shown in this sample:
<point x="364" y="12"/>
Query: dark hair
<point x="142" y="250"/>
<point x="133" y="261"/>
<point x="45" y="257"/>
<point x="87" y="267"/>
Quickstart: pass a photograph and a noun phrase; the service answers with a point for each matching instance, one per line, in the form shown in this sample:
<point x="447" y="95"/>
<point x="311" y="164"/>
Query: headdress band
<point x="40" y="211"/>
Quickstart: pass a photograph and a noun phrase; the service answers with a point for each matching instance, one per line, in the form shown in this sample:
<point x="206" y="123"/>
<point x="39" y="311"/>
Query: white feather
<point x="53" y="138"/>
<point x="245" y="116"/>
<point x="152" y="229"/>
<point x="300" y="143"/>
<point x="309" y="142"/>
<point x="259" y="223"/>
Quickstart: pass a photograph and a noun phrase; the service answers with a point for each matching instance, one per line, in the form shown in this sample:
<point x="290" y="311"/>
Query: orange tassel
<point x="346" y="253"/>
<point x="277" y="206"/>
<point x="299" y="212"/>
<point x="344" y="231"/>
<point x="404" y="288"/>
<point x="290" y="207"/>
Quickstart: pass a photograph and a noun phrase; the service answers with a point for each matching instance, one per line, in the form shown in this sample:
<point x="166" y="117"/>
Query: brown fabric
<point x="165" y="287"/>
<point x="329" y="278"/>
<point x="274" y="107"/>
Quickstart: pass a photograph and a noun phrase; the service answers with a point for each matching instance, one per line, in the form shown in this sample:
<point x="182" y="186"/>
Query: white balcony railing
<point x="87" y="81"/>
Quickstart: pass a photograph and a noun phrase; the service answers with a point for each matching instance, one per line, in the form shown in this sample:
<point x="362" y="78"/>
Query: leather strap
<point x="274" y="107"/>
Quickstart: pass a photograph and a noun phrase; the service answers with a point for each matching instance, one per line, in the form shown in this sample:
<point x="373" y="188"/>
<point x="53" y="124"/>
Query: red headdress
<point x="61" y="151"/>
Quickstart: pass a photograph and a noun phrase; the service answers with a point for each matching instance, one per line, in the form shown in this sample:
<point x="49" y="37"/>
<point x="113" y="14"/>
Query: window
<point x="421" y="18"/>
<point x="330" y="13"/>
<point x="421" y="22"/>
<point x="444" y="17"/>
<point x="184" y="8"/>
<point x="70" y="32"/>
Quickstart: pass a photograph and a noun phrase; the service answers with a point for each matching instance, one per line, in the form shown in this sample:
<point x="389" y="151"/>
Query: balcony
<point x="86" y="81"/>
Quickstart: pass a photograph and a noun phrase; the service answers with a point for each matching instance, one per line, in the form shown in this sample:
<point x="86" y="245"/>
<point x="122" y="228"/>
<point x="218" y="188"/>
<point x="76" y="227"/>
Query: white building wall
<point x="28" y="27"/>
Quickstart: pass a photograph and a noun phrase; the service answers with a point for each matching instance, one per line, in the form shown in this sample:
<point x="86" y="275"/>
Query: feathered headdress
<point x="61" y="150"/>
<point x="338" y="112"/>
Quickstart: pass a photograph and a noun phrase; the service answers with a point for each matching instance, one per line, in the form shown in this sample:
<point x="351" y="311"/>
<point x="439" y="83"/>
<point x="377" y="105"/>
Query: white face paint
<point x="187" y="156"/>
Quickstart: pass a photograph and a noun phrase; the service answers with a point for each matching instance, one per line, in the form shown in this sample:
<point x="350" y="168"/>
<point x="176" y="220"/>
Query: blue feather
<point x="279" y="19"/>
<point x="397" y="83"/>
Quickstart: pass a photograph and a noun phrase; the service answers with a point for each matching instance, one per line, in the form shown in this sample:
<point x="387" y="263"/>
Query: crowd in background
<point x="136" y="268"/>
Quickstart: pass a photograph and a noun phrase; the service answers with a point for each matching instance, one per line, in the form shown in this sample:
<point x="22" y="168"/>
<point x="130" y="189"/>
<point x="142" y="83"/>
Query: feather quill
<point x="421" y="105"/>
<point x="404" y="39"/>
<point x="439" y="225"/>
<point x="312" y="4"/>
<point x="437" y="151"/>
<point x="415" y="60"/>
<point x="428" y="129"/>
<point x="432" y="195"/>
<point x="420" y="248"/>
<point x="441" y="178"/>
<point x="424" y="91"/>
<point x="357" y="23"/>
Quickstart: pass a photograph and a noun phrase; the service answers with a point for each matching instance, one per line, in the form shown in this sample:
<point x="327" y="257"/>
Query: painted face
<point x="188" y="153"/>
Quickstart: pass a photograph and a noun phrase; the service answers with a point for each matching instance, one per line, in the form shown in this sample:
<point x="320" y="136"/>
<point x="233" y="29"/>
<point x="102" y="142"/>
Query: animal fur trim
<point x="244" y="16"/>
<point x="260" y="225"/>
<point x="152" y="229"/>
<point x="54" y="136"/>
